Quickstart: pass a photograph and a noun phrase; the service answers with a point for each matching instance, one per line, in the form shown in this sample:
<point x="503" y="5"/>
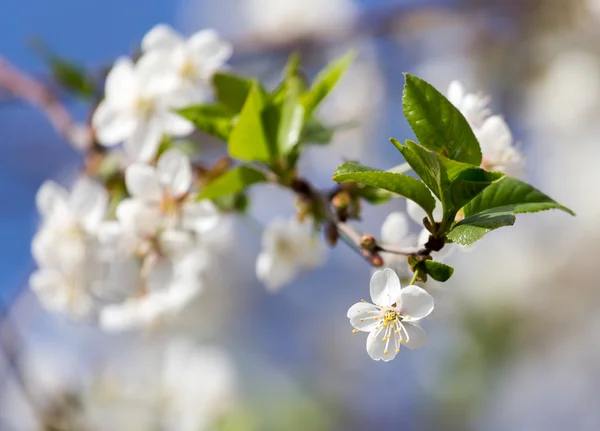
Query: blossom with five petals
<point x="390" y="320"/>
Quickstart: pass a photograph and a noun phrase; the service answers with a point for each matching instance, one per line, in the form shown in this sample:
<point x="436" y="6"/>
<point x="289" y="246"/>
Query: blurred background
<point x="515" y="337"/>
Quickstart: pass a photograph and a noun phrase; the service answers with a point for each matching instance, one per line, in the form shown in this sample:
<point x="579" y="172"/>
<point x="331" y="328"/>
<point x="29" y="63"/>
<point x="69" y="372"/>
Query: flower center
<point x="390" y="316"/>
<point x="145" y="106"/>
<point x="188" y="70"/>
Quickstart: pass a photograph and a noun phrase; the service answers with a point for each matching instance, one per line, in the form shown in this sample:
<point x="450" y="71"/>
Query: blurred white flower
<point x="495" y="138"/>
<point x="138" y="107"/>
<point x="389" y="321"/>
<point x="159" y="199"/>
<point x="65" y="246"/>
<point x="288" y="247"/>
<point x="163" y="292"/>
<point x="395" y="230"/>
<point x="156" y="245"/>
<point x="192" y="61"/>
<point x="295" y="18"/>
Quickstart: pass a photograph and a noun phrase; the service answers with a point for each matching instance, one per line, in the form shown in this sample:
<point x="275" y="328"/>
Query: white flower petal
<point x="209" y="50"/>
<point x="417" y="337"/>
<point x="201" y="217"/>
<point x="113" y="124"/>
<point x="138" y="217"/>
<point x="385" y="287"/>
<point x="49" y="196"/>
<point x="362" y="316"/>
<point x="395" y="229"/>
<point x="89" y="202"/>
<point x="274" y="273"/>
<point x="379" y="348"/>
<point x="143" y="144"/>
<point x="174" y="172"/>
<point x="415" y="212"/>
<point x="142" y="182"/>
<point x="161" y="36"/>
<point x="495" y="137"/>
<point x="456" y="93"/>
<point x="175" y="242"/>
<point x="415" y="302"/>
<point x="157" y="76"/>
<point x="175" y="125"/>
<point x="121" y="83"/>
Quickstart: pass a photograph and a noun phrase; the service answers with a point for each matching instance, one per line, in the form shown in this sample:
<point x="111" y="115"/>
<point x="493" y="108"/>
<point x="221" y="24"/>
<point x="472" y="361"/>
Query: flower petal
<point x="174" y="172"/>
<point x="113" y="124"/>
<point x="142" y="182"/>
<point x="274" y="273"/>
<point x="376" y="345"/>
<point x="362" y="316"/>
<point x="143" y="144"/>
<point x="456" y="93"/>
<point x="89" y="202"/>
<point x="417" y="337"/>
<point x="385" y="287"/>
<point x="415" y="302"/>
<point x="209" y="50"/>
<point x="395" y="228"/>
<point x="49" y="196"/>
<point x="138" y="217"/>
<point x="175" y="125"/>
<point x="200" y="217"/>
<point x="161" y="36"/>
<point x="121" y="83"/>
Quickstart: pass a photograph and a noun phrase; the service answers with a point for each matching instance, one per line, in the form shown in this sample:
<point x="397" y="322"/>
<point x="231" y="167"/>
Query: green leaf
<point x="315" y="132"/>
<point x="234" y="181"/>
<point x="454" y="183"/>
<point x="473" y="228"/>
<point x="324" y="83"/>
<point x="438" y="124"/>
<point x="232" y="90"/>
<point x="291" y="117"/>
<point x="403" y="185"/>
<point x="216" y="120"/>
<point x="248" y="139"/>
<point x="512" y="195"/>
<point x="374" y="195"/>
<point x="437" y="270"/>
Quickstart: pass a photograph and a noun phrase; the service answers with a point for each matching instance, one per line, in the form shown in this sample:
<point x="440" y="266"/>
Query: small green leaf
<point x="216" y="120"/>
<point x="324" y="83"/>
<point x="248" y="139"/>
<point x="438" y="124"/>
<point x="403" y="185"/>
<point x="512" y="195"/>
<point x="232" y="90"/>
<point x="291" y="116"/>
<point x="234" y="181"/>
<point x="437" y="270"/>
<point x="473" y="228"/>
<point x="315" y="132"/>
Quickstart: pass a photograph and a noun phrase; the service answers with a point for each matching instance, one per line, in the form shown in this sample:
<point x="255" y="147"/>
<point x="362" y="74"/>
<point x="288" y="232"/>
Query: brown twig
<point x="23" y="86"/>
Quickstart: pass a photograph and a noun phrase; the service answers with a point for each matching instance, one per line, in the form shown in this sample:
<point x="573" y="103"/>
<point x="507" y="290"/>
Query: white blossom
<point x="288" y="247"/>
<point x="191" y="61"/>
<point x="390" y="320"/>
<point x="138" y="107"/>
<point x="65" y="247"/>
<point x="492" y="132"/>
<point x="156" y="244"/>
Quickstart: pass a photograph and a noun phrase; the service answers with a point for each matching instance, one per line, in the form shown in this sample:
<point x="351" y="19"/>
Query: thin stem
<point x="414" y="279"/>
